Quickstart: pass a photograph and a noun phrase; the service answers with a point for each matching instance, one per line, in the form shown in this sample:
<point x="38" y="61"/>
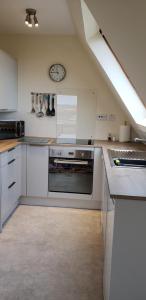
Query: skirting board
<point x="72" y="203"/>
<point x="3" y="222"/>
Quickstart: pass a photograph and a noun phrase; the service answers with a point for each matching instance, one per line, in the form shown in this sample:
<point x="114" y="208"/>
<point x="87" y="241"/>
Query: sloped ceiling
<point x="124" y="25"/>
<point x="76" y="11"/>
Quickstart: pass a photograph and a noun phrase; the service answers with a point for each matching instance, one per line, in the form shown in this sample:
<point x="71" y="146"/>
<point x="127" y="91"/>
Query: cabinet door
<point x="22" y="168"/>
<point x="9" y="189"/>
<point x="104" y="207"/>
<point x="97" y="176"/>
<point x="37" y="171"/>
<point x="8" y="82"/>
<point x="108" y="232"/>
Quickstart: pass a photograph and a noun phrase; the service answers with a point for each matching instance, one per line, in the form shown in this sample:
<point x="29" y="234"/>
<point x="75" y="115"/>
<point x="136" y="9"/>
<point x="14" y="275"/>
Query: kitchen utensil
<point x="40" y="114"/>
<point x="37" y="103"/>
<point x="53" y="109"/>
<point x="33" y="102"/>
<point x="45" y="103"/>
<point x="48" y="111"/>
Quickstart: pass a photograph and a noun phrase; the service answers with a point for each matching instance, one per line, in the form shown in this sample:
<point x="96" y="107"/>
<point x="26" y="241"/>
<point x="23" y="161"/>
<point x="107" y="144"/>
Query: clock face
<point x="57" y="72"/>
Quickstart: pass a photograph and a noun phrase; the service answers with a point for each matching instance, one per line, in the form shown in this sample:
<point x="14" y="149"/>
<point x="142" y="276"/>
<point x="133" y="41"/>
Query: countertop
<point x="5" y="145"/>
<point x="124" y="183"/>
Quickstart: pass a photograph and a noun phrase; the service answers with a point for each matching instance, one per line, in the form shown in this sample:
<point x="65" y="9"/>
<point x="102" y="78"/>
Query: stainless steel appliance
<point x="127" y="158"/>
<point x="74" y="141"/>
<point x="11" y="129"/>
<point x="34" y="140"/>
<point x="71" y="170"/>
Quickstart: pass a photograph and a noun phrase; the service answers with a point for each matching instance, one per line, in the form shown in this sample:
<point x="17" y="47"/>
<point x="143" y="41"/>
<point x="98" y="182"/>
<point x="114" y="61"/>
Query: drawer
<point x="12" y="195"/>
<point x="9" y="172"/>
<point x="8" y="156"/>
<point x="9" y="200"/>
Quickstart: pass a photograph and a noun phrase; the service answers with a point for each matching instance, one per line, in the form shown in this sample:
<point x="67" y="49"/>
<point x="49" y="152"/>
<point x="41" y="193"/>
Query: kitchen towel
<point x="124" y="135"/>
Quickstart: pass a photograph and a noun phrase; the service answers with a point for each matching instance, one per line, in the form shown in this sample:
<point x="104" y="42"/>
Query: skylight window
<point x="112" y="67"/>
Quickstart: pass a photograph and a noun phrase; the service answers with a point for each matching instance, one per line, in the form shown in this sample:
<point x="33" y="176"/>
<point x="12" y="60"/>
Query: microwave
<point x="11" y="129"/>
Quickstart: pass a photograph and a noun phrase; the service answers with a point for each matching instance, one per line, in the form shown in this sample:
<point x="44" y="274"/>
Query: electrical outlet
<point x="111" y="117"/>
<point x="101" y="117"/>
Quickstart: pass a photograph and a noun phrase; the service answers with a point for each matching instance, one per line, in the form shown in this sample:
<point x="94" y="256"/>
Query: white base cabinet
<point x="23" y="164"/>
<point x="37" y="171"/>
<point x="97" y="177"/>
<point x="108" y="229"/>
<point x="125" y="248"/>
<point x="10" y="174"/>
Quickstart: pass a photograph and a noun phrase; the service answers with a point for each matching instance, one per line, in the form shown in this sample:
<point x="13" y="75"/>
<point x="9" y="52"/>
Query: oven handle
<point x="72" y="162"/>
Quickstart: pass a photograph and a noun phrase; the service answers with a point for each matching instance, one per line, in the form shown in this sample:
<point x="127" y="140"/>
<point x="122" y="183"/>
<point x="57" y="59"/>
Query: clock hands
<point x="54" y="72"/>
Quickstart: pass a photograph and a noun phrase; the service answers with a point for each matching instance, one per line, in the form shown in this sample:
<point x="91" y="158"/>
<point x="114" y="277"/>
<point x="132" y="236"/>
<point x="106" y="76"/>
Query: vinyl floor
<point x="51" y="253"/>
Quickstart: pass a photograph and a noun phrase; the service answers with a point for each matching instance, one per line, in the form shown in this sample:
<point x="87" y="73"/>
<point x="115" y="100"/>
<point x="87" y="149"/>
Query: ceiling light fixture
<point x="31" y="13"/>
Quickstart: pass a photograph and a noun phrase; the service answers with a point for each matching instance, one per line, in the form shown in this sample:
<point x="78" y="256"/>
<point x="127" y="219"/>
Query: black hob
<point x="74" y="141"/>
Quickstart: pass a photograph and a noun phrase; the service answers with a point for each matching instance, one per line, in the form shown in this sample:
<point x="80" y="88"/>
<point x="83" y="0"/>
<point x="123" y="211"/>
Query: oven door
<point x="70" y="175"/>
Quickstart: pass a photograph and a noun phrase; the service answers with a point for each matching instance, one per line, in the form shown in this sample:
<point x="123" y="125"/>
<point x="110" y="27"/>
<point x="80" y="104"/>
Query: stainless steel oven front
<point x="71" y="170"/>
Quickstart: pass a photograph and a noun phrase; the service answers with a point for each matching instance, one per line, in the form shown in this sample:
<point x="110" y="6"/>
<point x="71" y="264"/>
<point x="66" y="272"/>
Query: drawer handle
<point x="11" y="161"/>
<point x="9" y="187"/>
<point x="11" y="149"/>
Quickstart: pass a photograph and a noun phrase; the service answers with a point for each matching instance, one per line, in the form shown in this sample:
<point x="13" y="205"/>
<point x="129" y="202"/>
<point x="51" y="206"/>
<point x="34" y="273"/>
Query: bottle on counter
<point x="109" y="137"/>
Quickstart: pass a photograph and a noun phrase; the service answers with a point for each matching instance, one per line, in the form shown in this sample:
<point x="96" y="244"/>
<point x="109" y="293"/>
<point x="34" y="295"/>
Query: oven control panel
<point x="72" y="152"/>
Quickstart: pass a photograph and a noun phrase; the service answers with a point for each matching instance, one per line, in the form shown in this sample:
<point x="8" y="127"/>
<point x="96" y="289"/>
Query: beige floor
<point x="51" y="254"/>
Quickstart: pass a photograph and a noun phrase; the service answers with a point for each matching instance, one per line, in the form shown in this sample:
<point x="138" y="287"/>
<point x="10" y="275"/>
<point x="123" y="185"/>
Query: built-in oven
<point x="71" y="170"/>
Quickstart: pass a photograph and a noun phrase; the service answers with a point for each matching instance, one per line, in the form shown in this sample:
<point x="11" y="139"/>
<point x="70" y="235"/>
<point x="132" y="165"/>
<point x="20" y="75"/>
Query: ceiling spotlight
<point x="36" y="24"/>
<point x="30" y="22"/>
<point x="30" y="12"/>
<point x="27" y="19"/>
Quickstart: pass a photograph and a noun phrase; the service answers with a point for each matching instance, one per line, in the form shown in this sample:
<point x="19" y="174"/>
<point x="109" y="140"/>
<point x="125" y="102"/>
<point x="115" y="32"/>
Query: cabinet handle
<point x="11" y="149"/>
<point x="9" y="187"/>
<point x="11" y="161"/>
<point x="71" y="162"/>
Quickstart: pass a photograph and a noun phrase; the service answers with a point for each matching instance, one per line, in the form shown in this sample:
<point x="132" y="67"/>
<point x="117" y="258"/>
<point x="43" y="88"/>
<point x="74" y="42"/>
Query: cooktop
<point x="34" y="140"/>
<point x="74" y="141"/>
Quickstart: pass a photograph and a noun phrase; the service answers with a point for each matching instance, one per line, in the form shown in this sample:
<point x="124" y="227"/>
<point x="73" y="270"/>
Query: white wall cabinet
<point x="37" y="171"/>
<point x="8" y="82"/>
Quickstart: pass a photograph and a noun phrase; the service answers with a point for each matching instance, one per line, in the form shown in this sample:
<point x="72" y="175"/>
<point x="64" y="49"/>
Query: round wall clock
<point x="57" y="72"/>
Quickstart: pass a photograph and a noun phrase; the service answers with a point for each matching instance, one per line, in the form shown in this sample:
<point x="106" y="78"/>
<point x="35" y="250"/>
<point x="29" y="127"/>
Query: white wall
<point x="35" y="54"/>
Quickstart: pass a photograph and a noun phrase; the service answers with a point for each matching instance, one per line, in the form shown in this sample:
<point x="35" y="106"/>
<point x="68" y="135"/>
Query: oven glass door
<point x="70" y="175"/>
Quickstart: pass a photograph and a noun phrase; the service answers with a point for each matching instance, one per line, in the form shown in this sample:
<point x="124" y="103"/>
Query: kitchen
<point x="35" y="164"/>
